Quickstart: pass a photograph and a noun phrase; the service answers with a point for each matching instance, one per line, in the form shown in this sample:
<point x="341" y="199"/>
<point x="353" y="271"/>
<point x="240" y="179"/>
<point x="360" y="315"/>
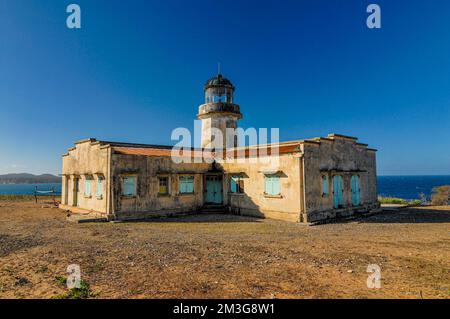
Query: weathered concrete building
<point x="309" y="180"/>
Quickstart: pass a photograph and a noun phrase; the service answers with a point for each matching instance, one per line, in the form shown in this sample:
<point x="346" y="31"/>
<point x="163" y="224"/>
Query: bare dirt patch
<point x="222" y="256"/>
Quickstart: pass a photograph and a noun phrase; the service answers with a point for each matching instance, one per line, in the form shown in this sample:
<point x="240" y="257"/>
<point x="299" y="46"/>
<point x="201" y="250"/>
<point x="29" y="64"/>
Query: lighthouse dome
<point x="218" y="81"/>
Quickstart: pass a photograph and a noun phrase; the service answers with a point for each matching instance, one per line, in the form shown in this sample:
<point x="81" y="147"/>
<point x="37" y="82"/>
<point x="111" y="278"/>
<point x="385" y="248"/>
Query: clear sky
<point x="136" y="70"/>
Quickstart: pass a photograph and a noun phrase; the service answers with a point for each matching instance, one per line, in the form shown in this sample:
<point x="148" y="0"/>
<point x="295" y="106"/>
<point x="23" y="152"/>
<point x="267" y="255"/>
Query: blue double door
<point x="338" y="191"/>
<point x="214" y="189"/>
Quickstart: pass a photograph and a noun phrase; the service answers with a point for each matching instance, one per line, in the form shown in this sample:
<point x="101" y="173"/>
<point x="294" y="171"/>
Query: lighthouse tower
<point x="218" y="114"/>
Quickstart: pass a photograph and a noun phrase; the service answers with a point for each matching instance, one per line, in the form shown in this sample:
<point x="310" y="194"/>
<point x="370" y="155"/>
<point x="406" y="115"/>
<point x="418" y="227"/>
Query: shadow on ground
<point x="410" y="215"/>
<point x="12" y="243"/>
<point x="200" y="218"/>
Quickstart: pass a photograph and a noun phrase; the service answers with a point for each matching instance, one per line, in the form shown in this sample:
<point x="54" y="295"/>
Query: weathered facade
<point x="301" y="181"/>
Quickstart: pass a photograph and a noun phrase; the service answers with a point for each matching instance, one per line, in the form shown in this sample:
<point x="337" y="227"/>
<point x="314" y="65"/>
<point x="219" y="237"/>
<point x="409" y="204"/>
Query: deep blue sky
<point x="136" y="69"/>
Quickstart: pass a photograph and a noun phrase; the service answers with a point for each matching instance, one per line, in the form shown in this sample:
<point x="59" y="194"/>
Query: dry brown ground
<point x="225" y="256"/>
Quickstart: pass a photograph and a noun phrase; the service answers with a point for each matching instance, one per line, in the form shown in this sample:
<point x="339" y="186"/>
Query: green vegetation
<point x="441" y="195"/>
<point x="42" y="269"/>
<point x="83" y="292"/>
<point x="399" y="201"/>
<point x="61" y="281"/>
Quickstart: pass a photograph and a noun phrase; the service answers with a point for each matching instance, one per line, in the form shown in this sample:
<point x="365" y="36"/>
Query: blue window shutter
<point x="186" y="184"/>
<point x="233" y="184"/>
<point x="182" y="185"/>
<point x="190" y="184"/>
<point x="87" y="187"/>
<point x="272" y="185"/>
<point x="325" y="185"/>
<point x="267" y="185"/>
<point x="99" y="187"/>
<point x="275" y="185"/>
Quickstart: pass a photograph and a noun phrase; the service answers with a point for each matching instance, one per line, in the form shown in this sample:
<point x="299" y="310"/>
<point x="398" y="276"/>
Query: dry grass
<point x="222" y="256"/>
<point x="16" y="197"/>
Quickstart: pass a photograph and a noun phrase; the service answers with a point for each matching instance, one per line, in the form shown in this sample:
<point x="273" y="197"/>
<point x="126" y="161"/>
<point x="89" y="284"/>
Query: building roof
<point x="218" y="80"/>
<point x="158" y="152"/>
<point x="289" y="147"/>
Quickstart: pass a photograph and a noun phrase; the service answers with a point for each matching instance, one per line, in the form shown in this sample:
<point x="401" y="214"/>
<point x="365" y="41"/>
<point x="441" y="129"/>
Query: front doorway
<point x="214" y="189"/>
<point x="66" y="180"/>
<point x="338" y="191"/>
<point x="76" y="189"/>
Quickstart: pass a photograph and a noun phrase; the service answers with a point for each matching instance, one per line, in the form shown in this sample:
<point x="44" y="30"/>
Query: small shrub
<point x="416" y="202"/>
<point x="61" y="281"/>
<point x="83" y="292"/>
<point x="42" y="269"/>
<point x="392" y="200"/>
<point x="441" y="195"/>
<point x="399" y="201"/>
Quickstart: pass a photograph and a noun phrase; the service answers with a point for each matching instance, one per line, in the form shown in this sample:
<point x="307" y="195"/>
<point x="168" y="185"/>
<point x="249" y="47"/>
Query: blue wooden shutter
<point x="267" y="185"/>
<point x="338" y="191"/>
<point x="186" y="184"/>
<point x="87" y="187"/>
<point x="325" y="185"/>
<point x="355" y="190"/>
<point x="182" y="186"/>
<point x="272" y="185"/>
<point x="275" y="185"/>
<point x="99" y="187"/>
<point x="234" y="184"/>
<point x="190" y="184"/>
<point x="341" y="190"/>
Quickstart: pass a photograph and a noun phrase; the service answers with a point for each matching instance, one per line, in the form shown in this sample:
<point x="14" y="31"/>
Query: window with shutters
<point x="236" y="185"/>
<point x="129" y="186"/>
<point x="186" y="184"/>
<point x="88" y="187"/>
<point x="99" y="193"/>
<point x="272" y="185"/>
<point x="163" y="183"/>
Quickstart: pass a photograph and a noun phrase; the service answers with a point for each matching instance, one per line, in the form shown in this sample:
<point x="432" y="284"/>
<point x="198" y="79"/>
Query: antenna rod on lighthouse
<point x="218" y="68"/>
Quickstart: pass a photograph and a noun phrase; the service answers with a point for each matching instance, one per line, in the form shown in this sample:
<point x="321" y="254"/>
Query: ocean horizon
<point x="410" y="186"/>
<point x="28" y="189"/>
<point x="402" y="186"/>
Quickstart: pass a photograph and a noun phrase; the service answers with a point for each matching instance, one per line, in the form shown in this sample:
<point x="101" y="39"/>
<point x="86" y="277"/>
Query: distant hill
<point x="25" y="178"/>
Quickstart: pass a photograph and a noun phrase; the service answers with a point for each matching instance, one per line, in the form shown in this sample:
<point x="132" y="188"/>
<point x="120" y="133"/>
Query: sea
<point x="406" y="187"/>
<point x="410" y="187"/>
<point x="28" y="189"/>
